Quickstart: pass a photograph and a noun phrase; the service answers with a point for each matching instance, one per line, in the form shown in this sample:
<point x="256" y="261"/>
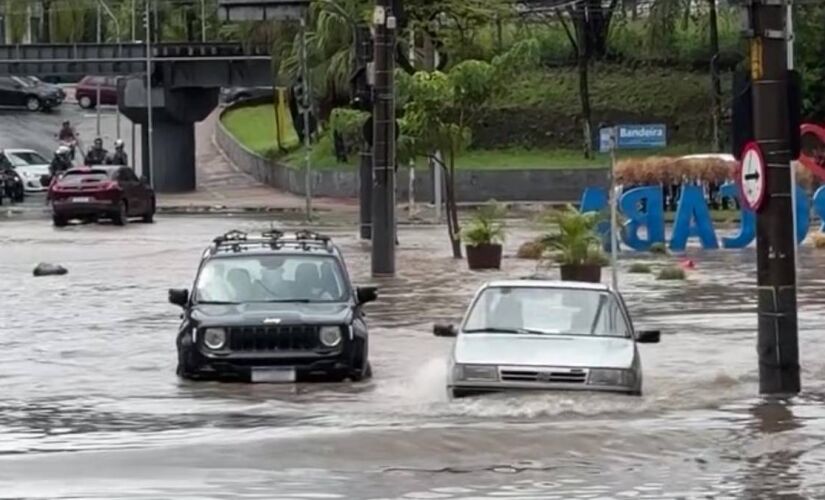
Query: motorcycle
<point x="11" y="186"/>
<point x="72" y="145"/>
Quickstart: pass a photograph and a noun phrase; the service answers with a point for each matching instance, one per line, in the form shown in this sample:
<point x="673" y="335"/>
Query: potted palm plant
<point x="578" y="245"/>
<point x="483" y="237"/>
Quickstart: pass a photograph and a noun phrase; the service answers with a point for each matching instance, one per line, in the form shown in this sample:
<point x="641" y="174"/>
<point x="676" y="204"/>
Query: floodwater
<point x="91" y="406"/>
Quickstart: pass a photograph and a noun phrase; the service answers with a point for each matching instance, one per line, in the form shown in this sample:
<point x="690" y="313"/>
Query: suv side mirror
<point x="648" y="336"/>
<point x="444" y="331"/>
<point x="179" y="297"/>
<point x="366" y="294"/>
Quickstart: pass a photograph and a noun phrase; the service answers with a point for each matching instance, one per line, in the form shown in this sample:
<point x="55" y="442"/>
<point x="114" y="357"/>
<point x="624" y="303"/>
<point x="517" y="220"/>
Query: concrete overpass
<point x="186" y="81"/>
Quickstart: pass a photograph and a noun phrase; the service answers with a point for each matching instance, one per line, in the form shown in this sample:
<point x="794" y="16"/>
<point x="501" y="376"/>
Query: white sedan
<point x="537" y="334"/>
<point x="29" y="165"/>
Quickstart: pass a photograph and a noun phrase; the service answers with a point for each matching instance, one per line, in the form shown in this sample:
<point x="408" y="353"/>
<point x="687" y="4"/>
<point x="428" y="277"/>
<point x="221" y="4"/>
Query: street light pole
<point x="150" y="131"/>
<point x="306" y="105"/>
<point x="203" y="21"/>
<point x="383" y="234"/>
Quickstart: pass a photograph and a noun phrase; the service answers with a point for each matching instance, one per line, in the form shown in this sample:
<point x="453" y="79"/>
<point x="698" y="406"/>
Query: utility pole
<point x="383" y="234"/>
<point x="777" y="343"/>
<point x="362" y="99"/>
<point x="306" y="103"/>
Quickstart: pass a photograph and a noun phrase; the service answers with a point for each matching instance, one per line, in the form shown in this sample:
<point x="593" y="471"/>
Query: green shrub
<point x="672" y="273"/>
<point x="639" y="268"/>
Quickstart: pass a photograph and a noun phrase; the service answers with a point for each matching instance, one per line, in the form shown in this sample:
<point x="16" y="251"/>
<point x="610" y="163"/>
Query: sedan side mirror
<point x="648" y="336"/>
<point x="366" y="294"/>
<point x="179" y="297"/>
<point x="444" y="331"/>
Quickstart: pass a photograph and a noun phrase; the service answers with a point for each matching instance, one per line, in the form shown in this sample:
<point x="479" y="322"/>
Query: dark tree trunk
<point x="47" y="22"/>
<point x="452" y="208"/>
<point x="714" y="75"/>
<point x="584" y="52"/>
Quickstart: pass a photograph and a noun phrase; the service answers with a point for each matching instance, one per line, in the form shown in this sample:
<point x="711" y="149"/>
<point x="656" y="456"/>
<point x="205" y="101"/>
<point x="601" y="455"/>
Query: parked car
<point x="61" y="94"/>
<point x="533" y="334"/>
<point x="18" y="92"/>
<point x="92" y="193"/>
<point x="86" y="91"/>
<point x="29" y="165"/>
<point x="273" y="308"/>
<point x="234" y="94"/>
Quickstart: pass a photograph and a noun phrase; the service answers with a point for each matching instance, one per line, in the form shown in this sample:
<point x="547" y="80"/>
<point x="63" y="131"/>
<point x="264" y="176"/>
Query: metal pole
<point x="364" y="46"/>
<point x="134" y="21"/>
<point x="117" y="110"/>
<point x="614" y="250"/>
<point x="777" y="343"/>
<point x="99" y="26"/>
<point x="383" y="234"/>
<point x="97" y="105"/>
<point x="203" y="21"/>
<point x="306" y="105"/>
<point x="794" y="163"/>
<point x="149" y="161"/>
<point x="411" y="188"/>
<point x="134" y="157"/>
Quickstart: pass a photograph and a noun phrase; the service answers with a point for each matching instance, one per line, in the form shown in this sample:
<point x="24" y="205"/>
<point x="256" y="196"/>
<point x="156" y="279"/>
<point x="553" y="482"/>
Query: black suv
<point x="273" y="308"/>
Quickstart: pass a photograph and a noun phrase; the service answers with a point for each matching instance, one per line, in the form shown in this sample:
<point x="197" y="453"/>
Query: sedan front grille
<point x="274" y="338"/>
<point x="549" y="375"/>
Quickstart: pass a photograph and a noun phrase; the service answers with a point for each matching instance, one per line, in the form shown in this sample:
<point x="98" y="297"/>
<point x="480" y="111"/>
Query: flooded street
<point x="92" y="408"/>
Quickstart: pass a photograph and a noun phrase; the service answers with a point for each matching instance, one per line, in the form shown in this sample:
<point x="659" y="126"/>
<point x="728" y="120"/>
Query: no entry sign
<point x="752" y="178"/>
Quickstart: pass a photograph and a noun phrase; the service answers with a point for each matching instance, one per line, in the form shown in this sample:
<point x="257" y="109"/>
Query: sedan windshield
<point x="548" y="311"/>
<point x="271" y="278"/>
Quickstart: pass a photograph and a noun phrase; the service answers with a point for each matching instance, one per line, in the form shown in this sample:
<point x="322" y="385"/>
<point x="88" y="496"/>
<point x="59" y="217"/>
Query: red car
<point x="109" y="192"/>
<point x="86" y="91"/>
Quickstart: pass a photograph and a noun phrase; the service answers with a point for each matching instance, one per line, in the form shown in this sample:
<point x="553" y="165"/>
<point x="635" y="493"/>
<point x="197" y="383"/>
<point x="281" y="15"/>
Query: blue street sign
<point x="641" y="136"/>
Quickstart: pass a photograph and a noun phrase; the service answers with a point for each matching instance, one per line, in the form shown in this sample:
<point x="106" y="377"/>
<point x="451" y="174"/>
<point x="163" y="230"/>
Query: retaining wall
<point x="556" y="185"/>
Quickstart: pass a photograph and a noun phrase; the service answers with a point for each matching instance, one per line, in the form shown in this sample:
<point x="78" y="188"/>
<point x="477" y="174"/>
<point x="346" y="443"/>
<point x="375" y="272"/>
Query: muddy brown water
<point x="91" y="407"/>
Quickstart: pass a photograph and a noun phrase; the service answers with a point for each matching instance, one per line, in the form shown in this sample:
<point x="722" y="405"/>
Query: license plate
<point x="276" y="375"/>
<point x="81" y="199"/>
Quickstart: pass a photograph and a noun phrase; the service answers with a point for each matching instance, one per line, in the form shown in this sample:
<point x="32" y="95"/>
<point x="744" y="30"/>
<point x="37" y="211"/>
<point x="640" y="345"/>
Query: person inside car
<point x="97" y="155"/>
<point x="119" y="157"/>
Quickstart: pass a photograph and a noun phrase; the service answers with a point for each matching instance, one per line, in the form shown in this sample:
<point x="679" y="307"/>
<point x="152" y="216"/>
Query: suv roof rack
<point x="237" y="241"/>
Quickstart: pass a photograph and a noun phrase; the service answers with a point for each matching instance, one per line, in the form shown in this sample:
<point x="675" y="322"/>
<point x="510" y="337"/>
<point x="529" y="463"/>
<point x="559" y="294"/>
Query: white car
<point x="538" y="334"/>
<point x="29" y="165"/>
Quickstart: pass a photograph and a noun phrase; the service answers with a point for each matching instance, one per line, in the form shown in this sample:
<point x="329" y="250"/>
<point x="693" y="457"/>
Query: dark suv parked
<point x="273" y="308"/>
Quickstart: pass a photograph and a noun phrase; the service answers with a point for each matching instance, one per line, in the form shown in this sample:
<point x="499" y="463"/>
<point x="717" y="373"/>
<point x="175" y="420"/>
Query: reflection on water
<point x="89" y="366"/>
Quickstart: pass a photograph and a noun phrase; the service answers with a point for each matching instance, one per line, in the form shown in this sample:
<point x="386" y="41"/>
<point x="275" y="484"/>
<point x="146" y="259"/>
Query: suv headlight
<point x="603" y="376"/>
<point x="330" y="336"/>
<point x="214" y="338"/>
<point x="471" y="373"/>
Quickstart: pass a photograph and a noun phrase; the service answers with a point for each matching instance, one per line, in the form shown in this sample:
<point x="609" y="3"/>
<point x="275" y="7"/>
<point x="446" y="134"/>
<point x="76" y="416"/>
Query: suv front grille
<point x="544" y="375"/>
<point x="274" y="338"/>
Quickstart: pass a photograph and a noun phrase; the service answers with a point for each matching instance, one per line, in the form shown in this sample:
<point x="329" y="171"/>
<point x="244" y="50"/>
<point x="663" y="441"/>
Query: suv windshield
<point x="271" y="278"/>
<point x="551" y="311"/>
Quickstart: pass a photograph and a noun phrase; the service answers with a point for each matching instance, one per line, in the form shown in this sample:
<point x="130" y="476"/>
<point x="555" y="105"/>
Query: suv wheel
<point x="59" y="221"/>
<point x="121" y="217"/>
<point x="33" y="103"/>
<point x="85" y="102"/>
<point x="149" y="217"/>
<point x="362" y="369"/>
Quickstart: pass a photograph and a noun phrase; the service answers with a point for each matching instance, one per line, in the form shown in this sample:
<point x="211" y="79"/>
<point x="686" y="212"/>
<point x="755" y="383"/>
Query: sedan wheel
<point x="121" y="218"/>
<point x="59" y="221"/>
<point x="32" y="103"/>
<point x="85" y="102"/>
<point x="149" y="217"/>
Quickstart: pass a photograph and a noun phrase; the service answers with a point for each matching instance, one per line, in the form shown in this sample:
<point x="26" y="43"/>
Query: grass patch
<point x="639" y="268"/>
<point x="672" y="273"/>
<point x="254" y="127"/>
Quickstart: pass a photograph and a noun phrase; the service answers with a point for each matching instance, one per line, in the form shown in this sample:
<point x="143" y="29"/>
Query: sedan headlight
<point x="476" y="373"/>
<point x="603" y="376"/>
<point x="214" y="338"/>
<point x="330" y="336"/>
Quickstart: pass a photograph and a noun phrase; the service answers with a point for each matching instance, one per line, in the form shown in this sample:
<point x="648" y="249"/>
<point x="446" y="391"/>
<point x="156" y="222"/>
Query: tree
<point x="436" y="118"/>
<point x="582" y="47"/>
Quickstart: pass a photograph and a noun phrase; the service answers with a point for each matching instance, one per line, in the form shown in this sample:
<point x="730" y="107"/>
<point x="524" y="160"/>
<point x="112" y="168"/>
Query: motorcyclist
<point x="61" y="162"/>
<point x="97" y="155"/>
<point x="67" y="133"/>
<point x="119" y="157"/>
